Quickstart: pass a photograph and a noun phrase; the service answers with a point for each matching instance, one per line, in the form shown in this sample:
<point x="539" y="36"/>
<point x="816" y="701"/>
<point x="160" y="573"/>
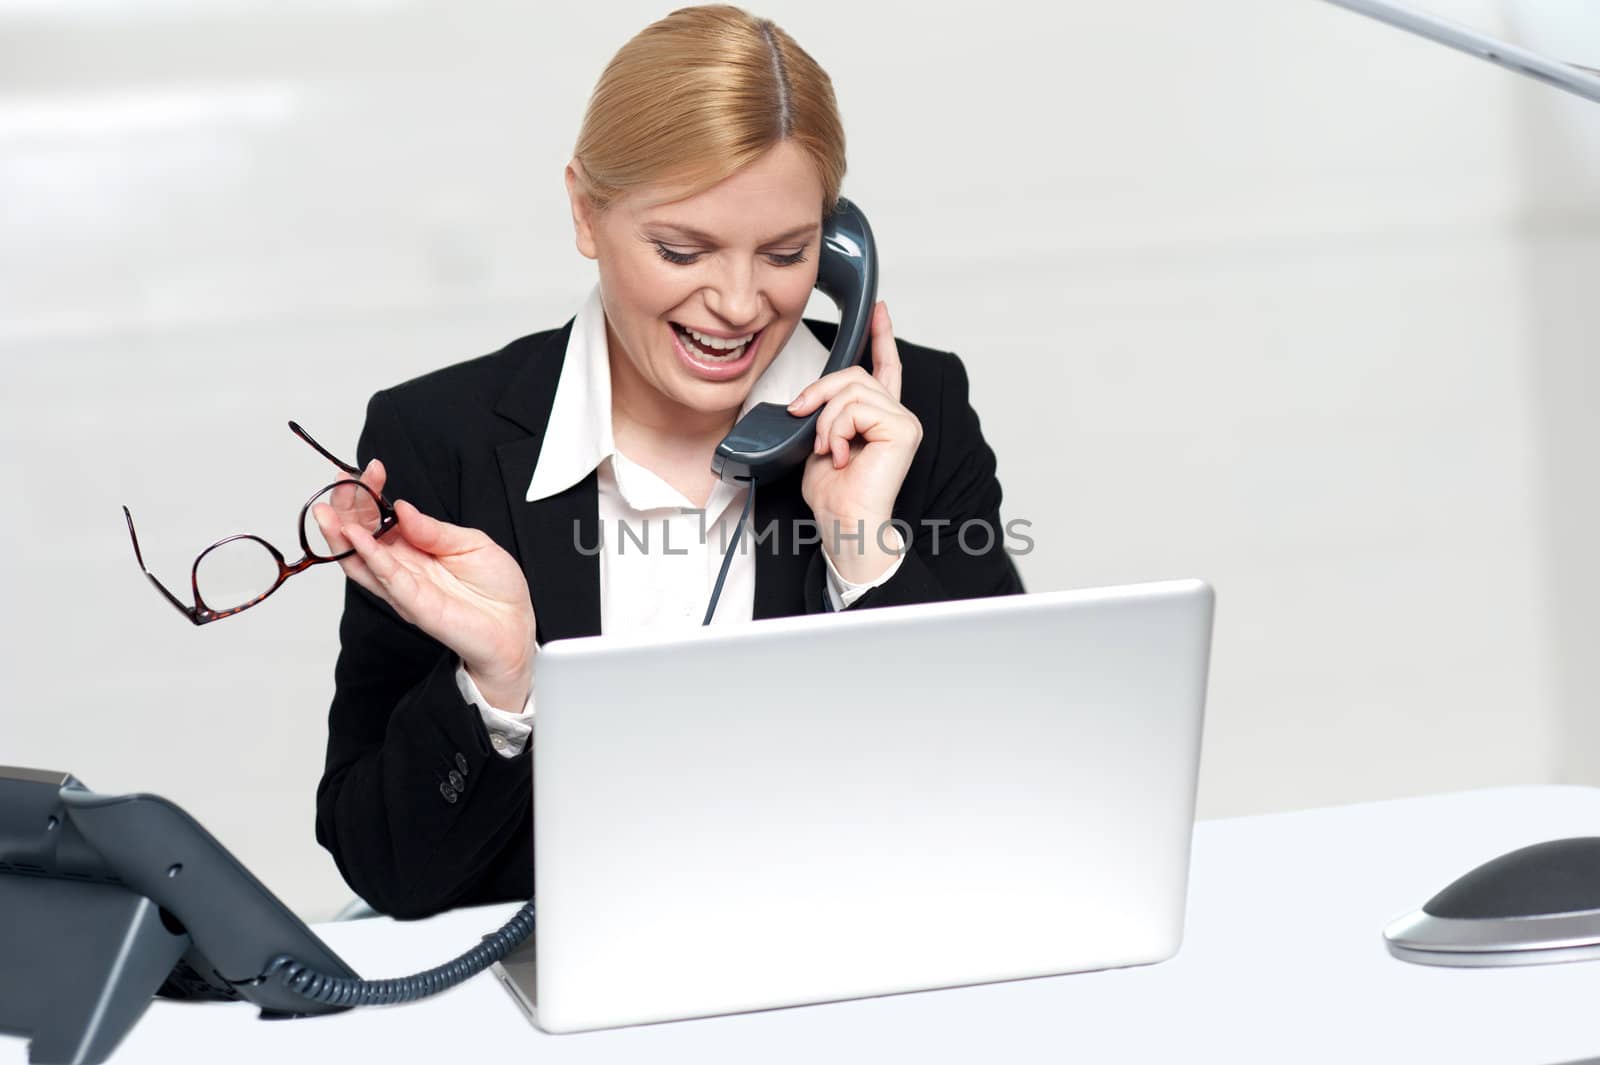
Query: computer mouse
<point x="1533" y="906"/>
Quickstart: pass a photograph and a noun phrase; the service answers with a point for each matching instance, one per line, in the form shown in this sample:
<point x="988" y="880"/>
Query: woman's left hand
<point x="864" y="446"/>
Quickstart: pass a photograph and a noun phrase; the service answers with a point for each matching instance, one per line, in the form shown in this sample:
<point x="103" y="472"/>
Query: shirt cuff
<point x="842" y="593"/>
<point x="508" y="732"/>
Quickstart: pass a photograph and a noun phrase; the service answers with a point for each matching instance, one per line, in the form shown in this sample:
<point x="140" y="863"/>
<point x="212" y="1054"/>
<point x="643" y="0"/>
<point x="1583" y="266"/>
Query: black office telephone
<point x="109" y="899"/>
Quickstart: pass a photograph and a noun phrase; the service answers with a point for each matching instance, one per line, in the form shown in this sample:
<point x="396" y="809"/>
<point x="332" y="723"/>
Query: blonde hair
<point x="700" y="94"/>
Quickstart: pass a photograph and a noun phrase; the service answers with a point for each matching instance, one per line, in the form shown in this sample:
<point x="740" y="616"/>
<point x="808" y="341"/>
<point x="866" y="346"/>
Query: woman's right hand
<point x="454" y="583"/>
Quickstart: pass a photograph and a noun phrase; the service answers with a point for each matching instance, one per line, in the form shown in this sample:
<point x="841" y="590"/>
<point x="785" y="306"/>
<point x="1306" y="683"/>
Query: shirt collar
<point x="578" y="437"/>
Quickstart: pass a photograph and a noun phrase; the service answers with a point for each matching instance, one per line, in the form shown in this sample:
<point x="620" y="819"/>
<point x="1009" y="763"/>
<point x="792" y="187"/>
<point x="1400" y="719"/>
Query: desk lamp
<point x="1539" y="904"/>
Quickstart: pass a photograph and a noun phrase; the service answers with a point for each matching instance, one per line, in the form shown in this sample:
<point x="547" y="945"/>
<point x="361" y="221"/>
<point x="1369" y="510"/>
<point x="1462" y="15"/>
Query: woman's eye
<point x="675" y="256"/>
<point x="685" y="258"/>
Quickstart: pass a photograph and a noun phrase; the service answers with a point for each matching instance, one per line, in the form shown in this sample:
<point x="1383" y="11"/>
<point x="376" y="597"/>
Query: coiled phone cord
<point x="350" y="991"/>
<point x="332" y="990"/>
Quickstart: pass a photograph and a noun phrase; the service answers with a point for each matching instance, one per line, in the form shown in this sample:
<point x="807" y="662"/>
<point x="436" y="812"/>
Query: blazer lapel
<point x="556" y="536"/>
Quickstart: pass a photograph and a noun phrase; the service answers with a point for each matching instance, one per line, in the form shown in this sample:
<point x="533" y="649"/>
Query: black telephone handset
<point x="769" y="441"/>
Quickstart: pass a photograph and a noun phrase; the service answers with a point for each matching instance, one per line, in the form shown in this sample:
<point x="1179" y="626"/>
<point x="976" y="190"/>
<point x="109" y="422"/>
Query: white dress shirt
<point x="659" y="554"/>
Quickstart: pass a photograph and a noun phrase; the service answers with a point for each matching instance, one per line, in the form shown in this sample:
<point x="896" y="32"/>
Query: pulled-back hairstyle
<point x="697" y="96"/>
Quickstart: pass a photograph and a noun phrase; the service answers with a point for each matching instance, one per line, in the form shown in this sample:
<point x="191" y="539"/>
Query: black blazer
<point x="417" y="809"/>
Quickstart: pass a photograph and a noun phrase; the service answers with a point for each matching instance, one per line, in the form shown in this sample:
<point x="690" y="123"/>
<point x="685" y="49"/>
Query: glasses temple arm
<point x="324" y="452"/>
<point x="187" y="611"/>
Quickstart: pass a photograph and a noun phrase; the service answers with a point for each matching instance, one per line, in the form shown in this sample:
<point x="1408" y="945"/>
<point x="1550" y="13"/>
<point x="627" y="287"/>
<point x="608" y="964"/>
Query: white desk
<point x="1282" y="962"/>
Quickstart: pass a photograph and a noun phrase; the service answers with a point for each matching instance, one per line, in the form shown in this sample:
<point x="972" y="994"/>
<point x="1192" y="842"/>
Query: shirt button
<point x="461" y="763"/>
<point x="456" y="781"/>
<point x="449" y="793"/>
<point x="498" y="742"/>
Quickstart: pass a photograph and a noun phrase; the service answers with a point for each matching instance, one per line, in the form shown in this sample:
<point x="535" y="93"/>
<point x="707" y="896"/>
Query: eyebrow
<point x="706" y="238"/>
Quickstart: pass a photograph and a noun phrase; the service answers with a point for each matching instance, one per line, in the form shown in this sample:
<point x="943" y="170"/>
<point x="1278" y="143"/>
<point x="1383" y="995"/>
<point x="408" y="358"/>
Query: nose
<point x="734" y="297"/>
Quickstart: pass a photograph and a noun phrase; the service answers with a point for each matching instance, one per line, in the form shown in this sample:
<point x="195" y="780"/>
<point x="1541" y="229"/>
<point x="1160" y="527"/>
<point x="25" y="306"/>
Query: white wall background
<point x="1251" y="290"/>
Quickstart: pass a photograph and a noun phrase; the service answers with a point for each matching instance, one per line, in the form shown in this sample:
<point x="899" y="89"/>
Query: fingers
<point x="884" y="378"/>
<point x="354" y="505"/>
<point x="433" y="536"/>
<point x="885" y="356"/>
<point x="390" y="580"/>
<point x="328" y="517"/>
<point x="346" y="504"/>
<point x="828" y="386"/>
<point x="375" y="476"/>
<point x="854" y="392"/>
<point x="853" y="419"/>
<point x="328" y="521"/>
<point x="869" y="421"/>
<point x="388" y="569"/>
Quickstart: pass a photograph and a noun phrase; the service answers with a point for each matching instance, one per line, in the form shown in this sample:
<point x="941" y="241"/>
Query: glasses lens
<point x="232" y="574"/>
<point x="345" y="503"/>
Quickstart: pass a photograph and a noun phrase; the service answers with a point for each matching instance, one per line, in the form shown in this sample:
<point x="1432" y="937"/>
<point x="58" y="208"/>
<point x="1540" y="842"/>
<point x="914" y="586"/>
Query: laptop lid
<point x="808" y="809"/>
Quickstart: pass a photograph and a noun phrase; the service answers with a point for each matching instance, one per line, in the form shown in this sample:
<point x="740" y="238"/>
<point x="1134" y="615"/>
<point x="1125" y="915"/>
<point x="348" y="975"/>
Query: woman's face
<point x="735" y="264"/>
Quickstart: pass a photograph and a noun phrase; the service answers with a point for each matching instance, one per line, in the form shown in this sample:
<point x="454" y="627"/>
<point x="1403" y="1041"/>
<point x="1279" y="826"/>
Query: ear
<point x="583" y="212"/>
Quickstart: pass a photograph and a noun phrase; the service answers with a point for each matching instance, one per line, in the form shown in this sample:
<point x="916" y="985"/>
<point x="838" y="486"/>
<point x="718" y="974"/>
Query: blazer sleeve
<point x="949" y="507"/>
<point x="418" y="811"/>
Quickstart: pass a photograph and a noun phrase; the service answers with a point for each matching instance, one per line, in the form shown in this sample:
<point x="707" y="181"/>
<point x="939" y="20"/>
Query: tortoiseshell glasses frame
<point x="200" y="614"/>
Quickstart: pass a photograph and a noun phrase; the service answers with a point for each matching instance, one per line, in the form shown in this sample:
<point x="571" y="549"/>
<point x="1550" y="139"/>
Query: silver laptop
<point x="809" y="809"/>
<point x="1574" y="77"/>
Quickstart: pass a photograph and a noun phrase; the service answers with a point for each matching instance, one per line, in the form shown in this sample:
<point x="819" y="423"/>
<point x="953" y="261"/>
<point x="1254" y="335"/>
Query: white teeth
<point x="727" y="350"/>
<point x="718" y="342"/>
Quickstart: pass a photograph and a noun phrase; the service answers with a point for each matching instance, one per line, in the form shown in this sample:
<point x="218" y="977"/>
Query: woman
<point x="531" y="484"/>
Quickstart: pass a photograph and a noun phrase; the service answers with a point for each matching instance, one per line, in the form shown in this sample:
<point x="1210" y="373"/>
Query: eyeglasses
<point x="242" y="570"/>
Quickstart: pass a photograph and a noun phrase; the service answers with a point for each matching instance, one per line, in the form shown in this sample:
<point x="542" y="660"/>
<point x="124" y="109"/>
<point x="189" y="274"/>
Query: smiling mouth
<point x="709" y="348"/>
